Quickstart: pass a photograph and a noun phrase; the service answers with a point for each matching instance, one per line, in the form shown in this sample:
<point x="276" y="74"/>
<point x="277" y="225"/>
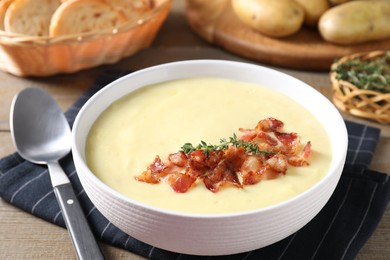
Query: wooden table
<point x="23" y="236"/>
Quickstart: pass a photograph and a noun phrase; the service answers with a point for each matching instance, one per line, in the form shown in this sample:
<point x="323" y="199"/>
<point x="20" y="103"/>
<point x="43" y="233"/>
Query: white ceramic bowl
<point x="210" y="234"/>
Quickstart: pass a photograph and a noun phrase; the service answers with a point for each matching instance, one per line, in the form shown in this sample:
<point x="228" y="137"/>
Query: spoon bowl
<point x="40" y="131"/>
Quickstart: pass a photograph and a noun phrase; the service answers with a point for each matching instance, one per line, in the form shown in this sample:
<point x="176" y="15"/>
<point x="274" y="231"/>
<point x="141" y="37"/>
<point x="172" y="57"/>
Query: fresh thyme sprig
<point x="373" y="74"/>
<point x="249" y="147"/>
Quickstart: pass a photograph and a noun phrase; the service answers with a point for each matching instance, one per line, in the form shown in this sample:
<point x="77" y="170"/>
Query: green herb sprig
<point x="372" y="74"/>
<point x="249" y="147"/>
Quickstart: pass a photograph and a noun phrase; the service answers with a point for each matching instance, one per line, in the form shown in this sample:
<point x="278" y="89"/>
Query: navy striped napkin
<point x="338" y="232"/>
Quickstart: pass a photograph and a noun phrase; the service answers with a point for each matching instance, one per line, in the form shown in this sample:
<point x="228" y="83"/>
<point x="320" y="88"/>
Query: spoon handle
<point x="82" y="237"/>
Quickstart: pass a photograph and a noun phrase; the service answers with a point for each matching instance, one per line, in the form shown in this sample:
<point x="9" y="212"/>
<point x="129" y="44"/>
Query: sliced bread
<point x="83" y="16"/>
<point x="30" y="17"/>
<point x="4" y="4"/>
<point x="131" y="9"/>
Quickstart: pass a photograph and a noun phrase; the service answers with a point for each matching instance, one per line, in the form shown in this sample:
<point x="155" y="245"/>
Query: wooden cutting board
<point x="216" y="22"/>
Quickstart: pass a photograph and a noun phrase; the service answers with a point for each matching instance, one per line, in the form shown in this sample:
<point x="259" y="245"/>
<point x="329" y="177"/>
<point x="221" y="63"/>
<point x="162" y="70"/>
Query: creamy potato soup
<point x="159" y="119"/>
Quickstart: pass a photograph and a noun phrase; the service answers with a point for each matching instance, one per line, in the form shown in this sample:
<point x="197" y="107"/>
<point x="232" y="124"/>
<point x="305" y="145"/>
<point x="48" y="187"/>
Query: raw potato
<point x="275" y="18"/>
<point x="210" y="9"/>
<point x="356" y="22"/>
<point x="337" y="2"/>
<point x="313" y="10"/>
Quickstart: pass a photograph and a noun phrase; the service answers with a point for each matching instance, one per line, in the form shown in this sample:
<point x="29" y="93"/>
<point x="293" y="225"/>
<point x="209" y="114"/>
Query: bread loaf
<point x="30" y="17"/>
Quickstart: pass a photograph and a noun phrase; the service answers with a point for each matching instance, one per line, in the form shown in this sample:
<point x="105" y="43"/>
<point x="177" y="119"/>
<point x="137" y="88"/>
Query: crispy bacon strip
<point x="270" y="125"/>
<point x="223" y="174"/>
<point x="232" y="166"/>
<point x="301" y="158"/>
<point x="180" y="182"/>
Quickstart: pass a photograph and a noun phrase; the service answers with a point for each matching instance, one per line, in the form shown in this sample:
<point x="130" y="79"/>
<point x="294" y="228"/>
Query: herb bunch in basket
<point x="369" y="74"/>
<point x="361" y="85"/>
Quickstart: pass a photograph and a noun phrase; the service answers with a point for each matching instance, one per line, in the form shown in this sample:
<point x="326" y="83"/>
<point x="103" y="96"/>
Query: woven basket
<point x="367" y="104"/>
<point x="42" y="56"/>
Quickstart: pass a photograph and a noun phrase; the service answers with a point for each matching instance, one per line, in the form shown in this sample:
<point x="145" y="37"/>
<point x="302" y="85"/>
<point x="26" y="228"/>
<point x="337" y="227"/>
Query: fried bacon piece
<point x="223" y="174"/>
<point x="173" y="172"/>
<point x="233" y="166"/>
<point x="270" y="125"/>
<point x="254" y="169"/>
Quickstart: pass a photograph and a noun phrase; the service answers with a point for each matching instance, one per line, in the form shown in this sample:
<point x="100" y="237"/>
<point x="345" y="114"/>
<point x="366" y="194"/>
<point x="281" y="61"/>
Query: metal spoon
<point x="41" y="135"/>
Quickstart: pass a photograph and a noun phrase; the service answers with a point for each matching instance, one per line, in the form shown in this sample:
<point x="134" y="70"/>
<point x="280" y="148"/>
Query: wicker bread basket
<point x="363" y="103"/>
<point x="42" y="56"/>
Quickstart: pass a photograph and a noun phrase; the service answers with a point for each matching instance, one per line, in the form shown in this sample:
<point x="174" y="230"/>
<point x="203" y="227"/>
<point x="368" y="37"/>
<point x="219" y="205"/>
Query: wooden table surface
<point x="23" y="236"/>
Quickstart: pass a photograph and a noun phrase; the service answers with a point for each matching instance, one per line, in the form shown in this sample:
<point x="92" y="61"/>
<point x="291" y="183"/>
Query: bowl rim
<point x="335" y="167"/>
<point x="21" y="39"/>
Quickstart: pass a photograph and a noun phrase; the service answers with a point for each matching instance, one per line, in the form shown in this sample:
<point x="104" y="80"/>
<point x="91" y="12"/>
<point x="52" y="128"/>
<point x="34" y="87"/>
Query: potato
<point x="210" y="9"/>
<point x="275" y="18"/>
<point x="313" y="10"/>
<point x="356" y="22"/>
<point x="338" y="2"/>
